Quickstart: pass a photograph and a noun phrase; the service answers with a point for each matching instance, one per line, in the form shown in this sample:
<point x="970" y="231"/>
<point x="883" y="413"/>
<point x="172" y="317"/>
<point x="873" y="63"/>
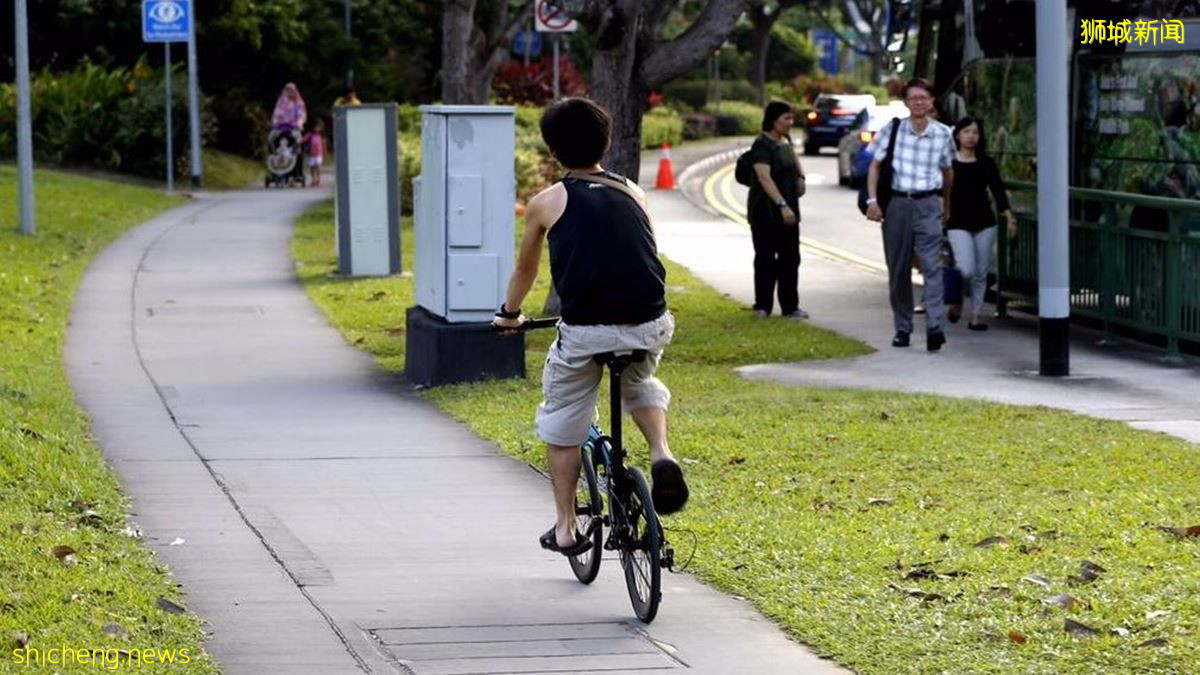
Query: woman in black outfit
<point x="774" y="214"/>
<point x="971" y="227"/>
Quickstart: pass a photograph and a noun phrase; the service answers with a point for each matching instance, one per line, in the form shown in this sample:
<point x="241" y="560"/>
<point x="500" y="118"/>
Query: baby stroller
<point x="285" y="165"/>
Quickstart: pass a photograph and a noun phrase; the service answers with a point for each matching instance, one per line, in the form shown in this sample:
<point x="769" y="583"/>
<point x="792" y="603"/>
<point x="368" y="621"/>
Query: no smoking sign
<point x="550" y="17"/>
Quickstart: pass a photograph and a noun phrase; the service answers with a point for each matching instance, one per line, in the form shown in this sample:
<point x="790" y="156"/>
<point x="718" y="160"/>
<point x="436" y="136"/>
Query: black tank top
<point x="603" y="258"/>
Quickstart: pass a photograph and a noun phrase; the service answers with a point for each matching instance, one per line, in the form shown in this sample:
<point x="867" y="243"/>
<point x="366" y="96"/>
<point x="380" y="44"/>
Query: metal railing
<point x="1135" y="261"/>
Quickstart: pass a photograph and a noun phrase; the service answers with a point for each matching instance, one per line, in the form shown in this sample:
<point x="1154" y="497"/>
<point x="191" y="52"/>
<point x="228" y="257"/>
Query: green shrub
<point x="659" y="125"/>
<point x="748" y="116"/>
<point x="112" y="119"/>
<point x="694" y="93"/>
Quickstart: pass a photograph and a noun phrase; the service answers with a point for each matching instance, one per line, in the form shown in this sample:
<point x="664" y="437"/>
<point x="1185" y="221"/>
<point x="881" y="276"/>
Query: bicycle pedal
<point x="668" y="559"/>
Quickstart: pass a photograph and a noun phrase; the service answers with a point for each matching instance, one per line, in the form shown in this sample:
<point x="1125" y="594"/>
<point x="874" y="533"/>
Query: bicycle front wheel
<point x="641" y="555"/>
<point x="588" y="521"/>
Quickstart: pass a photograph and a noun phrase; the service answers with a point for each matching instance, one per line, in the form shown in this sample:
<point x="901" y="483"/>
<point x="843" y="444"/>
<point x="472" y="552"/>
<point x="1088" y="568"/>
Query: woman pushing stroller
<point x="283" y="144"/>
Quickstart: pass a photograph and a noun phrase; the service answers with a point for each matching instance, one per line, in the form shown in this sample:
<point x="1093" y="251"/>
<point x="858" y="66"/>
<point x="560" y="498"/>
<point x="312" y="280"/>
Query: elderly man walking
<point x="919" y="204"/>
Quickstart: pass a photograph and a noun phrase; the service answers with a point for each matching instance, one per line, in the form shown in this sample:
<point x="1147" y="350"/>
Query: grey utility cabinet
<point x="463" y="202"/>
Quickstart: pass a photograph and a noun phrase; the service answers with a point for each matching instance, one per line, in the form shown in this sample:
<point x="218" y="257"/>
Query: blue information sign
<point x="827" y="44"/>
<point x="166" y="20"/>
<point x="527" y="42"/>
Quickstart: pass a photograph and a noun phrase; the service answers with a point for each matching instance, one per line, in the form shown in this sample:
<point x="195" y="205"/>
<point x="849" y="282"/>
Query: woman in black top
<point x="774" y="214"/>
<point x="971" y="227"/>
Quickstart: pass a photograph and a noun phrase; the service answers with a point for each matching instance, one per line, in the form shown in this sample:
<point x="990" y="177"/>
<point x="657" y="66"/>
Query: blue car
<point x="854" y="155"/>
<point x="830" y="119"/>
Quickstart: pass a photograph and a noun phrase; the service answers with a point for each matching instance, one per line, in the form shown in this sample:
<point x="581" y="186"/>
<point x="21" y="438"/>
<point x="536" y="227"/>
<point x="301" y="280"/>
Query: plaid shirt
<point x="920" y="158"/>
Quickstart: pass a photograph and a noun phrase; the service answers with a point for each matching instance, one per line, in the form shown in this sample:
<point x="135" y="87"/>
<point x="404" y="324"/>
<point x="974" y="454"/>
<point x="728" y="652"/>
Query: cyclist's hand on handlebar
<point x="509" y="326"/>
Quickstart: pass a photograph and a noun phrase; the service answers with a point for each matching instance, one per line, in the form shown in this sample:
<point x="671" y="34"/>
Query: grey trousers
<point x="914" y="225"/>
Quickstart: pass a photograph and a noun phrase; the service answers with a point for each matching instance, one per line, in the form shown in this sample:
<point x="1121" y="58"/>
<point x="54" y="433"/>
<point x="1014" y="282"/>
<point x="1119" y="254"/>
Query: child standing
<point x="315" y="142"/>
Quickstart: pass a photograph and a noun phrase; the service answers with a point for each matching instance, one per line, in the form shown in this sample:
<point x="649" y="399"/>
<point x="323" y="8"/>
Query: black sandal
<point x="670" y="490"/>
<point x="550" y="542"/>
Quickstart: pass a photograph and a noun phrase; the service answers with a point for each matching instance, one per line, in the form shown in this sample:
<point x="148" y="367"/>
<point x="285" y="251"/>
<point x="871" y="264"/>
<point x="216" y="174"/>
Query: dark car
<point x="830" y="119"/>
<point x="854" y="157"/>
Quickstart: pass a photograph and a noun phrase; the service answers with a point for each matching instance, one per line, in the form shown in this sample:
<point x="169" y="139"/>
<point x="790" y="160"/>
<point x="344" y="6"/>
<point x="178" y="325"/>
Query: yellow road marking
<point x="726" y="204"/>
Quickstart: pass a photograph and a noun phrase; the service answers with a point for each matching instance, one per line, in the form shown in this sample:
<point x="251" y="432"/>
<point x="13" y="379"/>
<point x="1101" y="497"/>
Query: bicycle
<point x="634" y="530"/>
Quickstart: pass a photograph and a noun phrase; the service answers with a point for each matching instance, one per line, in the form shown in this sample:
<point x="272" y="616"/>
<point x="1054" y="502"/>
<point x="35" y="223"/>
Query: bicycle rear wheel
<point x="641" y="555"/>
<point x="588" y="521"/>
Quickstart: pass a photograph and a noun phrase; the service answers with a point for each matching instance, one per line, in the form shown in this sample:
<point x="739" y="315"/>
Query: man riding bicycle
<point x="605" y="268"/>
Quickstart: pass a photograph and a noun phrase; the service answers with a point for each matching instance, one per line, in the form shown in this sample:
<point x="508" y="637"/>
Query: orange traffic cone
<point x="666" y="175"/>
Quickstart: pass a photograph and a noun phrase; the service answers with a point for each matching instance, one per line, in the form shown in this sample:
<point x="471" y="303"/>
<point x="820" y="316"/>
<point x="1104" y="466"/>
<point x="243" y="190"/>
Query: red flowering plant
<point x="517" y="83"/>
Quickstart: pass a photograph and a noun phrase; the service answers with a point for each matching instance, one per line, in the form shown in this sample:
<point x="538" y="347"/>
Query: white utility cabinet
<point x="368" y="196"/>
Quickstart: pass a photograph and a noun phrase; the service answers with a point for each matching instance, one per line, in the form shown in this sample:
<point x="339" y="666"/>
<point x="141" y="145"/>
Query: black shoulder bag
<point x="883" y="189"/>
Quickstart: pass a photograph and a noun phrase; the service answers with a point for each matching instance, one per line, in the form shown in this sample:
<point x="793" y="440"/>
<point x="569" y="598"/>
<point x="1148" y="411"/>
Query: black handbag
<point x="883" y="189"/>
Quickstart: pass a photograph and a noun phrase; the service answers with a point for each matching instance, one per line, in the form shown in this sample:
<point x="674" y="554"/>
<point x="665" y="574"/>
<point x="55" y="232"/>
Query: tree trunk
<point x="458" y="24"/>
<point x="617" y="86"/>
<point x="759" y="45"/>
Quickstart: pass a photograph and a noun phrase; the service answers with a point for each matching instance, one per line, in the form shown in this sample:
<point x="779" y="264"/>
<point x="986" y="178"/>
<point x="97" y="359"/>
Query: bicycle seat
<point x="620" y="359"/>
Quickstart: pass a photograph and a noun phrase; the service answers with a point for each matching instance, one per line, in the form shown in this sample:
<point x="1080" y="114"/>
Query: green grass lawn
<point x="224" y="171"/>
<point x="895" y="533"/>
<point x="55" y="488"/>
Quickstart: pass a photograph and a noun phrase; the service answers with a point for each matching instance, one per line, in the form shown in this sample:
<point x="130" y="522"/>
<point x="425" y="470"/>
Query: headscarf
<point x="288" y="112"/>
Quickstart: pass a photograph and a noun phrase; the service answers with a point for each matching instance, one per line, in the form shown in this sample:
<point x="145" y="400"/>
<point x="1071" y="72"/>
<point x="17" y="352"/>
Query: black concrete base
<point x="1054" y="340"/>
<point x="445" y="353"/>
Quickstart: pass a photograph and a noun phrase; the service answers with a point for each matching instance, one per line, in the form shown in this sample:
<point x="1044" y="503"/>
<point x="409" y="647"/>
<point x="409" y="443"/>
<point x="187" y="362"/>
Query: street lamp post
<point x="24" y="123"/>
<point x="1054" y="263"/>
<point x="349" y="67"/>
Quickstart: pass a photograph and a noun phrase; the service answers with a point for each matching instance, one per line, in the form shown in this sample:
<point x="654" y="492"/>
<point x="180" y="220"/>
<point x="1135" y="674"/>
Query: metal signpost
<point x="550" y="17"/>
<point x="167" y="21"/>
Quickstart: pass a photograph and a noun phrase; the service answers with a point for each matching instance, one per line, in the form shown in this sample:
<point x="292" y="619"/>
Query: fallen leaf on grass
<point x="1157" y="614"/>
<point x="917" y="593"/>
<point x="35" y="435"/>
<point x="116" y="630"/>
<point x="943" y="537"/>
<point x="885" y="415"/>
<point x="1028" y="548"/>
<point x="1037" y="579"/>
<point x="1079" y="629"/>
<point x="923" y="573"/>
<point x="735" y="460"/>
<point x="999" y="590"/>
<point x="65" y="554"/>
<point x="168" y="606"/>
<point x="880" y="501"/>
<point x="21" y="637"/>
<point x="824" y="506"/>
<point x="377" y="296"/>
<point x="1154" y="642"/>
<point x="1121" y="632"/>
<point x="992" y="541"/>
<point x="1017" y="637"/>
<point x="1193" y="531"/>
<point x="689" y="461"/>
<point x="1065" y="601"/>
<point x="1088" y="572"/>
<point x="830" y="438"/>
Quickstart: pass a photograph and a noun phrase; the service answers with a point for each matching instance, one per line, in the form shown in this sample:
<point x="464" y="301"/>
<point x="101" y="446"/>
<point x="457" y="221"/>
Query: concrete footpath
<point x="1129" y="383"/>
<point x="331" y="521"/>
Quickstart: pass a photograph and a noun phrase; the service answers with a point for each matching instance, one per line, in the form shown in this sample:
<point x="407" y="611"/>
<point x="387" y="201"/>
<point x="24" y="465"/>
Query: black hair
<point x="577" y="131"/>
<point x="919" y="83"/>
<point x="773" y="111"/>
<point x="963" y="123"/>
